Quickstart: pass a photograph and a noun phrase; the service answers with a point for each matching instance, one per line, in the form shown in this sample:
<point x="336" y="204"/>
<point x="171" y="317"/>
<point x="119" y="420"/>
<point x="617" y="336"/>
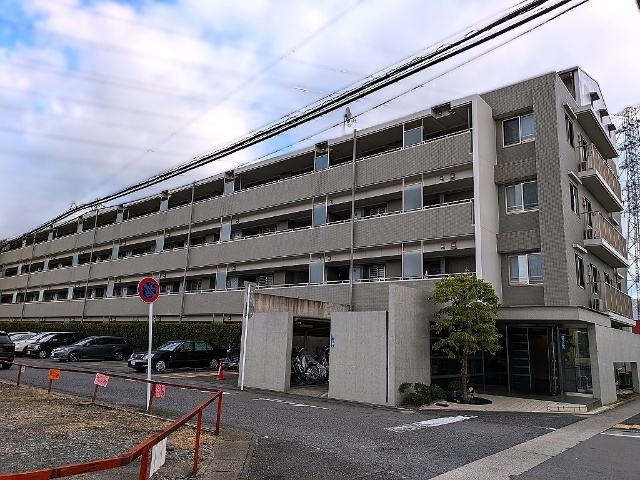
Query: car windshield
<point x="21" y="336"/>
<point x="44" y="338"/>
<point x="170" y="346"/>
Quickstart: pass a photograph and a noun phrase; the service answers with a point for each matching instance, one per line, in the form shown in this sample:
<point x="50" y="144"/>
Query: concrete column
<point x="41" y="295"/>
<point x="46" y="265"/>
<point x="602" y="373"/>
<point x="159" y="243"/>
<point x="635" y="376"/>
<point x="114" y="251"/>
<point x="70" y="293"/>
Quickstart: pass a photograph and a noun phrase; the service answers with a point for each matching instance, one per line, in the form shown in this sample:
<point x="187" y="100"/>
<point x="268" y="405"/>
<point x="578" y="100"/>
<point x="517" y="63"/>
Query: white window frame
<point x="526" y="276"/>
<point x="580" y="277"/>
<point x="521" y="192"/>
<point x="520" y="139"/>
<point x="574" y="198"/>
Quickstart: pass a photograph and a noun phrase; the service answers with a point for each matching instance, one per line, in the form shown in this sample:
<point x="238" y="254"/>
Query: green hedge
<point x="223" y="335"/>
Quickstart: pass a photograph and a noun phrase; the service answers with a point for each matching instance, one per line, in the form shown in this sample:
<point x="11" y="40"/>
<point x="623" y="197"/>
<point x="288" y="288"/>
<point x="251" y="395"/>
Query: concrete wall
<point x="485" y="194"/>
<point x="358" y="359"/>
<point x="297" y="307"/>
<point x="268" y="358"/>
<point x="409" y="335"/>
<point x="608" y="345"/>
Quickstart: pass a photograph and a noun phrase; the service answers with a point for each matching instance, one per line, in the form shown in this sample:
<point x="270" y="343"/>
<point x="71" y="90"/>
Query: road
<point x="315" y="438"/>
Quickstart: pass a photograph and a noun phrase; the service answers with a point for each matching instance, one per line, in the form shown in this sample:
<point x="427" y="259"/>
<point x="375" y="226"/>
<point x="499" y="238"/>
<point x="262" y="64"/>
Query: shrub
<point x="222" y="335"/>
<point x="419" y="394"/>
<point x="454" y="390"/>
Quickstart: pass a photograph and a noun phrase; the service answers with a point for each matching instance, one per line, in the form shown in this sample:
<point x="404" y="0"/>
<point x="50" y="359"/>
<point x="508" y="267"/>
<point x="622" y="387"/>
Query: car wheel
<point x="24" y="352"/>
<point x="74" y="356"/>
<point x="42" y="354"/>
<point x="118" y="356"/>
<point x="5" y="366"/>
<point x="160" y="366"/>
<point x="214" y="364"/>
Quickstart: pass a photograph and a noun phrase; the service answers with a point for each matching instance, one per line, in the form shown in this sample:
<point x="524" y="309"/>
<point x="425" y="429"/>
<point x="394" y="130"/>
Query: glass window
<point x="580" y="271"/>
<point x="527" y="127"/>
<point x="569" y="129"/>
<point x="412" y="137"/>
<point x="517" y="130"/>
<point x="522" y="197"/>
<point x="225" y="231"/>
<point x="575" y="204"/>
<point x="200" y="346"/>
<point x="525" y="269"/>
<point x="229" y="185"/>
<point x="316" y="271"/>
<point x="319" y="213"/>
<point x="412" y="264"/>
<point x="412" y="197"/>
<point x="221" y="279"/>
<point x="511" y="129"/>
<point x="321" y="162"/>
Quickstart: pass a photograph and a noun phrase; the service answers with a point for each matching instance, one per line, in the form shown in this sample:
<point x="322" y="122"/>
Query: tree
<point x="468" y="318"/>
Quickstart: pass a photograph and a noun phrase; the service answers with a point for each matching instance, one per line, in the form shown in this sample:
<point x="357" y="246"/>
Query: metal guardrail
<point x="142" y="449"/>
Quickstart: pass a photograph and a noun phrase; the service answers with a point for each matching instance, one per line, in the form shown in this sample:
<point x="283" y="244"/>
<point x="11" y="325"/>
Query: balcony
<point x="603" y="240"/>
<point x="615" y="303"/>
<point x="599" y="178"/>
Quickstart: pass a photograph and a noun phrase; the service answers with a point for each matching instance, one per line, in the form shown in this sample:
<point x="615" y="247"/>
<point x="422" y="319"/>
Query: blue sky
<point x="96" y="95"/>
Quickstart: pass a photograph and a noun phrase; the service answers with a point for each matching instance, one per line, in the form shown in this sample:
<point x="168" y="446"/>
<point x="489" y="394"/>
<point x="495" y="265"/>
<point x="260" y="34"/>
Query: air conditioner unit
<point x="236" y="234"/>
<point x="357" y="213"/>
<point x="235" y="282"/>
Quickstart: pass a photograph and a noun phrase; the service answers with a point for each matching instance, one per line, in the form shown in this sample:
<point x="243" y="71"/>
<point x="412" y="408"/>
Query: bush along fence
<point x="222" y="335"/>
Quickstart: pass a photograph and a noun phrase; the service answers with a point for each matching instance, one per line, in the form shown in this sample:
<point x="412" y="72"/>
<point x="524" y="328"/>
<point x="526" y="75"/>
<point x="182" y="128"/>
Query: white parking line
<point x="286" y="402"/>
<point x="436" y="422"/>
<point x="621" y="434"/>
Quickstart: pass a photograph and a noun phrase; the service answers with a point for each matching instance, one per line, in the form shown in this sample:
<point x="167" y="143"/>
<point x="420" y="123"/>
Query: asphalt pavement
<point x="314" y="438"/>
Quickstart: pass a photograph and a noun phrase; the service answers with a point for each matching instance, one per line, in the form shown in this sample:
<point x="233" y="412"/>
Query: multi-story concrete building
<point x="518" y="185"/>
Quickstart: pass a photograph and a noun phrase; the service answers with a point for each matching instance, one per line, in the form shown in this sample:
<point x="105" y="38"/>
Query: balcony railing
<point x="607" y="298"/>
<point x="592" y="161"/>
<point x="604" y="239"/>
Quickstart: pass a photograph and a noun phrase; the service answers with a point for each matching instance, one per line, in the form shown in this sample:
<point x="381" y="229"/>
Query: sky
<point x="96" y="95"/>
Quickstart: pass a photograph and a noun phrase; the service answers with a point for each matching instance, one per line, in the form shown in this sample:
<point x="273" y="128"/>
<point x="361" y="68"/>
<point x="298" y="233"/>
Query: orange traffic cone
<point x="220" y="375"/>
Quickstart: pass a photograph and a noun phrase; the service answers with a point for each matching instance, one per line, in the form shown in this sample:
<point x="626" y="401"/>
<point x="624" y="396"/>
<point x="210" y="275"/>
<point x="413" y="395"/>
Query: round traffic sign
<point x="148" y="289"/>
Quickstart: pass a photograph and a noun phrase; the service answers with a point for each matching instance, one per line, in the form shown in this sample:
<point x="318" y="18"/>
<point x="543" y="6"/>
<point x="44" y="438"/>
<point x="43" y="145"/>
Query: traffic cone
<point x="220" y="375"/>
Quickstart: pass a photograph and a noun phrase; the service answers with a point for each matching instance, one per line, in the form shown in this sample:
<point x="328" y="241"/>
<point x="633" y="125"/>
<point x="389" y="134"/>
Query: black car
<point x="7" y="350"/>
<point x="43" y="347"/>
<point x="179" y="353"/>
<point x="112" y="348"/>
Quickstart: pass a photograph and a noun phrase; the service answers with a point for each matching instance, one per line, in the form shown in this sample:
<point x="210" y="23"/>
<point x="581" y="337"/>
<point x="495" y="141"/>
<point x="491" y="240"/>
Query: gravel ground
<point x="40" y="430"/>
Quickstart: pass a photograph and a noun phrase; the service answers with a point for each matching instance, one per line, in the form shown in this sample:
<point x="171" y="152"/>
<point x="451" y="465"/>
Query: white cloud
<point x="208" y="73"/>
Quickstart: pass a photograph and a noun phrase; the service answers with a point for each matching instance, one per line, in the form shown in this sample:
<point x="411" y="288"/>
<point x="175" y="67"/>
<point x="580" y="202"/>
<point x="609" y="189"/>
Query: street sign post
<point x="149" y="291"/>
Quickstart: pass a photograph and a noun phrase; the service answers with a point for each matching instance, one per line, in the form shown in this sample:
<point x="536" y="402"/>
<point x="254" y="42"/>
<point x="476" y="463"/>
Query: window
<point x="377" y="210"/>
<point x="525" y="269"/>
<point x="319" y="213"/>
<point x="321" y="162"/>
<point x="196" y="285"/>
<point x="225" y="231"/>
<point x="575" y="204"/>
<point x="518" y="130"/>
<point x="594" y="273"/>
<point x="221" y="279"/>
<point x="522" y="197"/>
<point x="412" y="264"/>
<point x="580" y="271"/>
<point x="569" y="129"/>
<point x="316" y="271"/>
<point x="267" y="230"/>
<point x="412" y="197"/>
<point x="266" y="280"/>
<point x="412" y="137"/>
<point x="376" y="272"/>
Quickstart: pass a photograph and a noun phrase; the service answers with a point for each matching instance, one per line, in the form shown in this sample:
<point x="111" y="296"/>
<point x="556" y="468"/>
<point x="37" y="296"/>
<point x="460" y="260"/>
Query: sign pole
<point x="149" y="353"/>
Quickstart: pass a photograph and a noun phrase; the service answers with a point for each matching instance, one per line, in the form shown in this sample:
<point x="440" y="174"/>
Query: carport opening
<point x="310" y="353"/>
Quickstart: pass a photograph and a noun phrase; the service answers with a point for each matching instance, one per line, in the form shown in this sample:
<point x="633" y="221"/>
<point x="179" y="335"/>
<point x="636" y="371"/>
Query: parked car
<point x="112" y="348"/>
<point x="7" y="350"/>
<point x="15" y="336"/>
<point x="21" y="345"/>
<point x="179" y="353"/>
<point x="43" y="347"/>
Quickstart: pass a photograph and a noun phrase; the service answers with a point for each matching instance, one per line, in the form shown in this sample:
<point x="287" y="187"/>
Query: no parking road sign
<point x="148" y="290"/>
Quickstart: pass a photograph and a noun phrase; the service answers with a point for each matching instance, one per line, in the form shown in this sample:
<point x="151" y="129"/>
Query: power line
<point x="520" y="16"/>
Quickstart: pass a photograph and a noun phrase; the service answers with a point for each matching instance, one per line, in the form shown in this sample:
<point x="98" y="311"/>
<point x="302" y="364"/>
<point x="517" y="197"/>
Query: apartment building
<point x="518" y="185"/>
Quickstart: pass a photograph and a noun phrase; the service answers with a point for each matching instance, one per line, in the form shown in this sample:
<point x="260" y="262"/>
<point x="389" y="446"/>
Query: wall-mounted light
<point x="454" y="245"/>
<point x="452" y="176"/>
<point x="442" y="178"/>
<point x="442" y="246"/>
